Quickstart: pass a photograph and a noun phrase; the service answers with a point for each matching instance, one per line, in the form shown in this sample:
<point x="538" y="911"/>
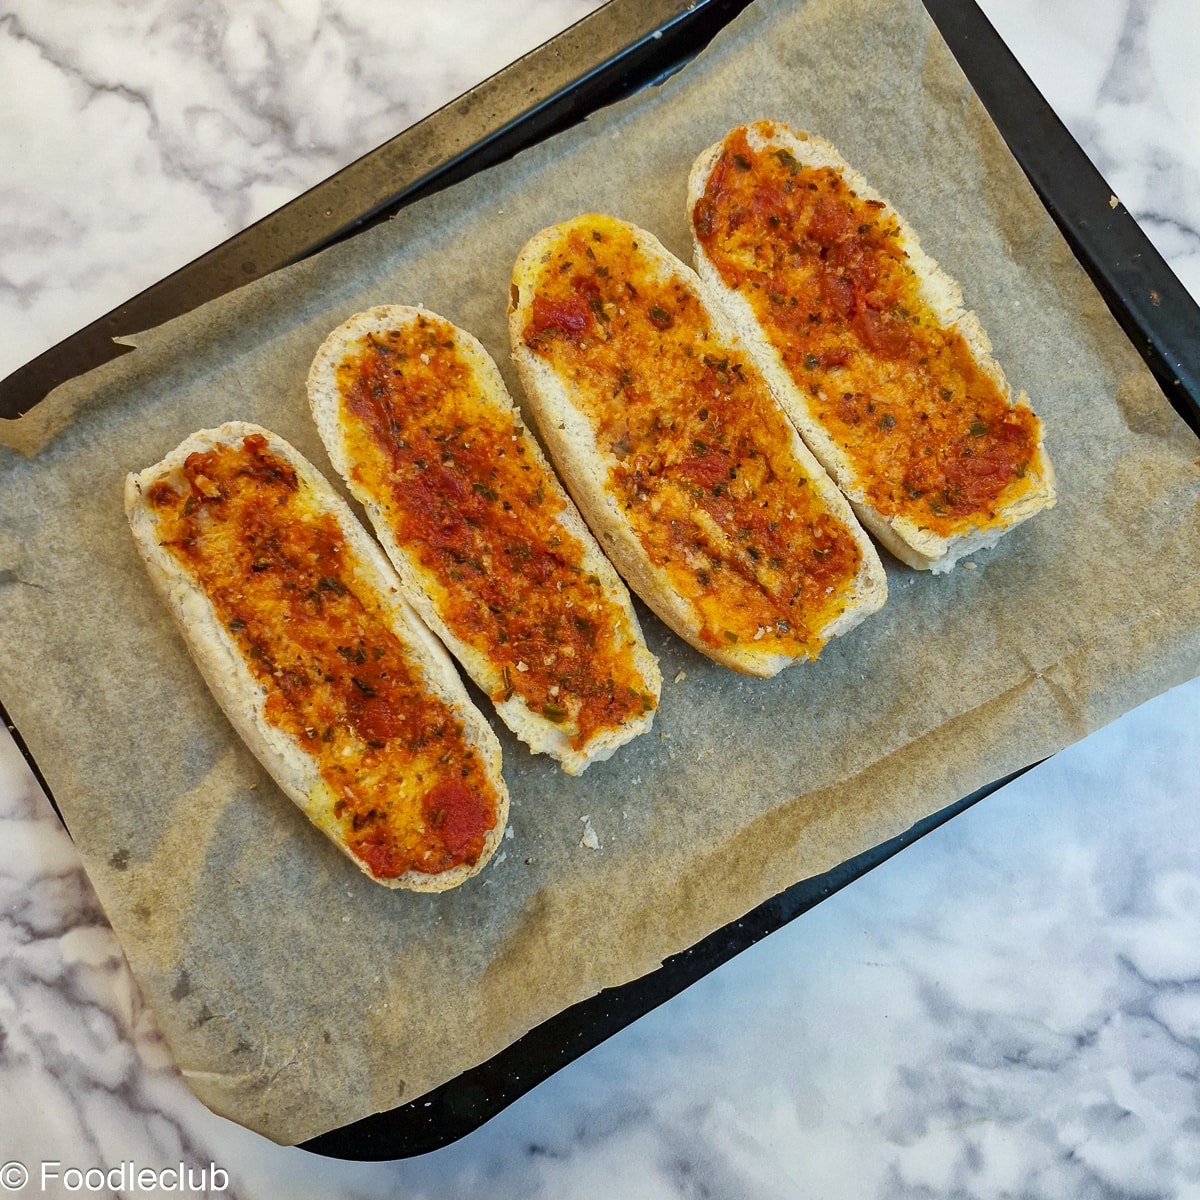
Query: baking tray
<point x="627" y="45"/>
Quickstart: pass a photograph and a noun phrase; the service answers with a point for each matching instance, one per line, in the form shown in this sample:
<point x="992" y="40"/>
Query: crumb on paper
<point x="680" y="675"/>
<point x="589" y="840"/>
<point x="968" y="566"/>
<point x="508" y="832"/>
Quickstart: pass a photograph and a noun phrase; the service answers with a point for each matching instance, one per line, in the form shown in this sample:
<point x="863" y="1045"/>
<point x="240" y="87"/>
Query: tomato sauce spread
<point x="701" y="456"/>
<point x="931" y="436"/>
<point x="464" y="493"/>
<point x="410" y="793"/>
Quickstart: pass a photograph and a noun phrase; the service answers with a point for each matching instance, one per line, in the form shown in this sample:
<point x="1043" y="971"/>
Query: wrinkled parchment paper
<point x="298" y="996"/>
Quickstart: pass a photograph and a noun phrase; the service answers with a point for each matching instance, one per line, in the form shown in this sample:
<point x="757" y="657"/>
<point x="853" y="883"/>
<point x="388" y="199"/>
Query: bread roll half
<point x="489" y="548"/>
<point x="296" y="621"/>
<point x="866" y="342"/>
<point x="678" y="455"/>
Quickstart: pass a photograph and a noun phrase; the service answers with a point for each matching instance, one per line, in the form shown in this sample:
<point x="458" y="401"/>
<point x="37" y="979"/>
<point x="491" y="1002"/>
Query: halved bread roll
<point x="677" y="454"/>
<point x="298" y="626"/>
<point x="866" y="342"/>
<point x="489" y="548"/>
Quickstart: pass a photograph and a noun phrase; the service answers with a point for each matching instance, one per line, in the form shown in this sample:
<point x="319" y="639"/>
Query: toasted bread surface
<point x="297" y="624"/>
<point x="677" y="454"/>
<point x="865" y="340"/>
<point x="488" y="546"/>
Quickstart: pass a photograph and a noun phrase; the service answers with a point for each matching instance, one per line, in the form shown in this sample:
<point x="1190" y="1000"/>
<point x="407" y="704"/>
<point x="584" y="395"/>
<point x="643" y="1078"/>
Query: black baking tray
<point x="624" y="46"/>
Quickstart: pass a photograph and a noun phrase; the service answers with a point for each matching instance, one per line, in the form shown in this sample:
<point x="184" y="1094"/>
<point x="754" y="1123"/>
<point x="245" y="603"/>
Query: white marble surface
<point x="1009" y="1008"/>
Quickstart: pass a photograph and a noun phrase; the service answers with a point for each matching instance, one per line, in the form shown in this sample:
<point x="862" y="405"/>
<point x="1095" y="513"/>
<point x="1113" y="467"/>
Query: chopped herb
<point x="887" y="421"/>
<point x="978" y="429"/>
<point x="660" y="318"/>
<point x="741" y="162"/>
<point x="787" y="159"/>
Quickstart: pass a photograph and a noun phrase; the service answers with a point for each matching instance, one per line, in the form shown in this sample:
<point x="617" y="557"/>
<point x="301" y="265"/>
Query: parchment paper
<point x="298" y="996"/>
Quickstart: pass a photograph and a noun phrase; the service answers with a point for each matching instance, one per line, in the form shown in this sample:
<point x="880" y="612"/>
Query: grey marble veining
<point x="1010" y="1008"/>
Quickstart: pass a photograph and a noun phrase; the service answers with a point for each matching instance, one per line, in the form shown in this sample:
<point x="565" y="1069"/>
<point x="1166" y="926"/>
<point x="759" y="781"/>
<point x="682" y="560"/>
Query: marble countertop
<point x="1011" y="1007"/>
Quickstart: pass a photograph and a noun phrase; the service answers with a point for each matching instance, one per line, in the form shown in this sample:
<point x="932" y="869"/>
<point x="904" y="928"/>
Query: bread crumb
<point x="680" y="676"/>
<point x="589" y="840"/>
<point x="1113" y="202"/>
<point x="969" y="566"/>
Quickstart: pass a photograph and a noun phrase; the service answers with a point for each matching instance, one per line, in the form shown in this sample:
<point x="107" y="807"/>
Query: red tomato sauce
<point x="932" y="437"/>
<point x="337" y="678"/>
<point x="464" y="492"/>
<point x="701" y="456"/>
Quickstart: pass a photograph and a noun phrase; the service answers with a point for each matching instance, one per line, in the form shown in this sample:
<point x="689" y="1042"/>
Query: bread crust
<point x="244" y="700"/>
<point x="911" y="542"/>
<point x="585" y="466"/>
<point x="486" y="661"/>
